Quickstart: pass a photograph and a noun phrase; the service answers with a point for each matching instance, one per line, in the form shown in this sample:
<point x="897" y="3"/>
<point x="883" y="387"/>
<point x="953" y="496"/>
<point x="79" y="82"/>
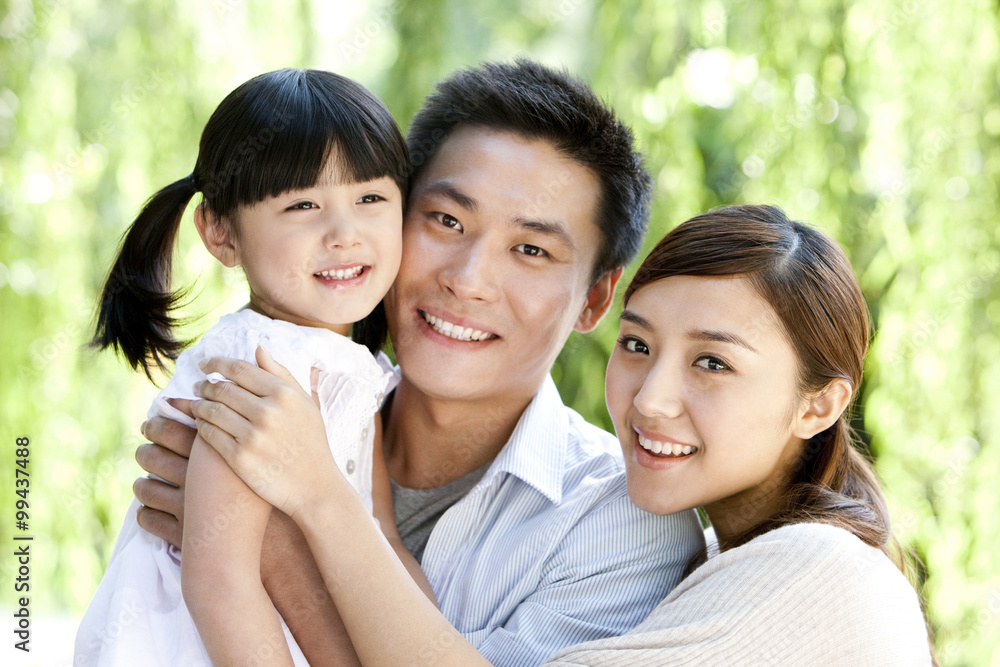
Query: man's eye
<point x="530" y="250"/>
<point x="630" y="344"/>
<point x="371" y="199"/>
<point x="712" y="364"/>
<point x="449" y="222"/>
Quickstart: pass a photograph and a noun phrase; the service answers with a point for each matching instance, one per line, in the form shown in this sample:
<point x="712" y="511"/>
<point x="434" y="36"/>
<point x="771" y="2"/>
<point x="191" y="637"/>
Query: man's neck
<point x="429" y="442"/>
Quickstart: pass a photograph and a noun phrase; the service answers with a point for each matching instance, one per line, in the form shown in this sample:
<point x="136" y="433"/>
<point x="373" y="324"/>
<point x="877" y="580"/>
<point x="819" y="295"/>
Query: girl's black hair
<point x="272" y="134"/>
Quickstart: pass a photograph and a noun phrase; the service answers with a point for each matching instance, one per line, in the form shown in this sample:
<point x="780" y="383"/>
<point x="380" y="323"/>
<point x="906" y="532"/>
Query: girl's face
<point x="324" y="256"/>
<point x="702" y="391"/>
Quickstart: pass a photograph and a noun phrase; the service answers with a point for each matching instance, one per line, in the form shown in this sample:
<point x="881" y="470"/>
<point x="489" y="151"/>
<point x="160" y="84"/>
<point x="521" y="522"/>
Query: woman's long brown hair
<point x="809" y="282"/>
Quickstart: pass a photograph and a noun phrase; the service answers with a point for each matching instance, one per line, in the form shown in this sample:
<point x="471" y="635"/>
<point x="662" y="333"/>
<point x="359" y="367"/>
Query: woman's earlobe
<point x="217" y="236"/>
<point x="824" y="409"/>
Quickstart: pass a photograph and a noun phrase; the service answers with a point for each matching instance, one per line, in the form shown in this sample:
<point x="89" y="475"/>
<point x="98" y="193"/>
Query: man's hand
<point x="166" y="457"/>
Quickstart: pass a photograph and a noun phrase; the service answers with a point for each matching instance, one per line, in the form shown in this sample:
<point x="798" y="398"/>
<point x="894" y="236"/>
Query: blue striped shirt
<point x="547" y="550"/>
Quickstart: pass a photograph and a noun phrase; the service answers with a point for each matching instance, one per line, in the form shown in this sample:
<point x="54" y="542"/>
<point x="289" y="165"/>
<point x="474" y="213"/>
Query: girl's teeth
<point x="342" y="274"/>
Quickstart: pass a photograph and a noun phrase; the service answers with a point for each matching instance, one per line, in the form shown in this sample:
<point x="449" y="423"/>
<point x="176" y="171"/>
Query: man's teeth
<point x="341" y="274"/>
<point x="665" y="448"/>
<point x="454" y="331"/>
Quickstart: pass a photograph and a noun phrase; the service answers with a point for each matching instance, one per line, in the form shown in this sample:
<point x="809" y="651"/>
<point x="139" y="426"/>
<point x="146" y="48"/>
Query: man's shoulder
<point x="590" y="444"/>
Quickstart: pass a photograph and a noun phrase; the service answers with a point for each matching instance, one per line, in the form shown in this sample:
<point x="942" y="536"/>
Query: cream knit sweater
<point x="804" y="594"/>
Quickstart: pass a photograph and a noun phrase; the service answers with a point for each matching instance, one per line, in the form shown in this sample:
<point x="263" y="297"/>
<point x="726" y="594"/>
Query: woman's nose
<point x="661" y="393"/>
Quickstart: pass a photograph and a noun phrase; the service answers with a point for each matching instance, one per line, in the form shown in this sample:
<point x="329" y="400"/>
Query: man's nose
<point x="473" y="273"/>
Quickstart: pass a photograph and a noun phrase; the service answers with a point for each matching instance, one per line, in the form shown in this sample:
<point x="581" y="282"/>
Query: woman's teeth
<point x="454" y="331"/>
<point x="341" y="274"/>
<point x="665" y="448"/>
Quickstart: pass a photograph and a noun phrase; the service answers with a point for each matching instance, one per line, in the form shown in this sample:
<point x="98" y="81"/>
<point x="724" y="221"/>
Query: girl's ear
<point x="217" y="236"/>
<point x="823" y="409"/>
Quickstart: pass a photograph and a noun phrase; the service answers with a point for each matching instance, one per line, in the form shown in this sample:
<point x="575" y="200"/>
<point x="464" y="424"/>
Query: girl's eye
<point x="631" y="344"/>
<point x="302" y="206"/>
<point x="713" y="364"/>
<point x="449" y="222"/>
<point x="530" y="250"/>
<point x="371" y="199"/>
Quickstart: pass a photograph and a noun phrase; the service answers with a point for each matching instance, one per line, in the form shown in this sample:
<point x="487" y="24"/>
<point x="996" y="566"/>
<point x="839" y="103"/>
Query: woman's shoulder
<point x="801" y="594"/>
<point x="821" y="557"/>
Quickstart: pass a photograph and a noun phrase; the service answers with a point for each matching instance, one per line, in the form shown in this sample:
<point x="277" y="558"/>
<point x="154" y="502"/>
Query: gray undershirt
<point x="418" y="510"/>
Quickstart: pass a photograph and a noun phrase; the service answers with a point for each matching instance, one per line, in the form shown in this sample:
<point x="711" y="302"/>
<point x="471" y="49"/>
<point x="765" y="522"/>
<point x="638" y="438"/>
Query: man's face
<point x="499" y="241"/>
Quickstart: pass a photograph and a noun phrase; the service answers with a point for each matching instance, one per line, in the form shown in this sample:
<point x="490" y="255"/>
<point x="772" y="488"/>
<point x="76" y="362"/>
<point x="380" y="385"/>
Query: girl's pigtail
<point x="136" y="301"/>
<point x="373" y="330"/>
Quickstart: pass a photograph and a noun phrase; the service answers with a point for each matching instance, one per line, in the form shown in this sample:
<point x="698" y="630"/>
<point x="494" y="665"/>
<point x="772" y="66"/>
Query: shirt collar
<point x="536" y="450"/>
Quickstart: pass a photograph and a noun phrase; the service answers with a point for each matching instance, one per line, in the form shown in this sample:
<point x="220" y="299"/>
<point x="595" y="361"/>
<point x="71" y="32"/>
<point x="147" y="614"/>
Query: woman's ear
<point x="217" y="236"/>
<point x="823" y="409"/>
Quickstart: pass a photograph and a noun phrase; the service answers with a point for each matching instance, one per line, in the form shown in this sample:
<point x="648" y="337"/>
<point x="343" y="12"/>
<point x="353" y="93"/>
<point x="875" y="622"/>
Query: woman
<point x="742" y="345"/>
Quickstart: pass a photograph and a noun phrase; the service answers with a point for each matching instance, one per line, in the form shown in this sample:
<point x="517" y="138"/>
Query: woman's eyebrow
<point x="636" y="319"/>
<point x="720" y="337"/>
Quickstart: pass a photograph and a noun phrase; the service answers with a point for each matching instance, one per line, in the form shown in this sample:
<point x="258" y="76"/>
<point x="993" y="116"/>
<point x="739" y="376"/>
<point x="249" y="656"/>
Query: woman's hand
<point x="268" y="430"/>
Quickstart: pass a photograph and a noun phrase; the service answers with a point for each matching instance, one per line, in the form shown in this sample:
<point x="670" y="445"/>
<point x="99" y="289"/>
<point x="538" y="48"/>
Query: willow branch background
<point x="877" y="121"/>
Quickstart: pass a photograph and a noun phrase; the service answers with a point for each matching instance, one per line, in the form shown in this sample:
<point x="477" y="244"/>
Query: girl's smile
<point x="322" y="256"/>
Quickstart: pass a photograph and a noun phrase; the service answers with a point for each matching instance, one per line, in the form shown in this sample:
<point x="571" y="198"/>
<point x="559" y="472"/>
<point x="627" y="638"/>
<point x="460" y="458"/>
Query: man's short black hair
<point x="537" y="102"/>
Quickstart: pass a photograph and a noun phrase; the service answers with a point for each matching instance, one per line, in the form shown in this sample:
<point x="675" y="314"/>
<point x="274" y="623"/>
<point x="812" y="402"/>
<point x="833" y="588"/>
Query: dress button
<point x="364" y="434"/>
<point x="350" y="466"/>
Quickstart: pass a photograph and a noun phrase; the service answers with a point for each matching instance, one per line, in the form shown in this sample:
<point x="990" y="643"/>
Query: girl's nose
<point x="341" y="232"/>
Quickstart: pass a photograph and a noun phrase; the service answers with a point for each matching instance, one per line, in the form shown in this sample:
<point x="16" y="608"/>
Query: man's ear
<point x="217" y="236"/>
<point x="599" y="300"/>
<point x="824" y="409"/>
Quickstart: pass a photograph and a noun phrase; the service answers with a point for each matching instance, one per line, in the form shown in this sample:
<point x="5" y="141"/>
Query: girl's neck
<point x="342" y="329"/>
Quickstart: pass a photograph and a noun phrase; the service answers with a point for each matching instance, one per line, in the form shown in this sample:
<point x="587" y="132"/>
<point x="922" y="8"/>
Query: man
<point x="527" y="200"/>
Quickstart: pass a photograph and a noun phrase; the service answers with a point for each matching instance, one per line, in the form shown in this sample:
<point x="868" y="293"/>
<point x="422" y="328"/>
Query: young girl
<point x="742" y="346"/>
<point x="302" y="175"/>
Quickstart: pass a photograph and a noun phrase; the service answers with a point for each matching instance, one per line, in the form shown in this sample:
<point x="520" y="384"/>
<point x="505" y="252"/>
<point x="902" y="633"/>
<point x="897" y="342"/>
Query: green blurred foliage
<point x="877" y="121"/>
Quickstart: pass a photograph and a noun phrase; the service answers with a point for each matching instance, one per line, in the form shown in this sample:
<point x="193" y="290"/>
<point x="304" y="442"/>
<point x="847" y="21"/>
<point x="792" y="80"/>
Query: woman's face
<point x="702" y="391"/>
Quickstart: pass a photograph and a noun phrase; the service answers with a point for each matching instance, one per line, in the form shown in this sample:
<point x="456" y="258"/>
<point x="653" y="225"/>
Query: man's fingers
<point x="162" y="462"/>
<point x="162" y="525"/>
<point x="171" y="435"/>
<point x="161" y="496"/>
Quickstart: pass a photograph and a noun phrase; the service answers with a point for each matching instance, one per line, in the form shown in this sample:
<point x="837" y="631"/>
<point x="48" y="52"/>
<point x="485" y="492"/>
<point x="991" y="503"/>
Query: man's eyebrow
<point x="721" y="337"/>
<point x="553" y="228"/>
<point x="636" y="319"/>
<point x="449" y="191"/>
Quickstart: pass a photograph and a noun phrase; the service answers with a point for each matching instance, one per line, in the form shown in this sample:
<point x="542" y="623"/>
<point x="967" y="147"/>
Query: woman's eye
<point x="712" y="364"/>
<point x="530" y="250"/>
<point x="302" y="206"/>
<point x="371" y="199"/>
<point x="449" y="222"/>
<point x="630" y="344"/>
